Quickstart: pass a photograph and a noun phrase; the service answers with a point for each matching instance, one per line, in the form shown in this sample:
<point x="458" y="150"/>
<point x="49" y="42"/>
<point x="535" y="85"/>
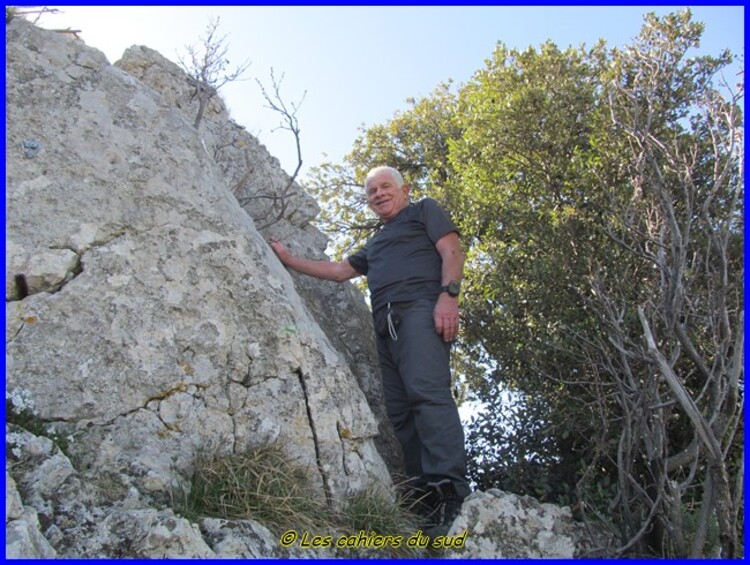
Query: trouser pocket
<point x="387" y="320"/>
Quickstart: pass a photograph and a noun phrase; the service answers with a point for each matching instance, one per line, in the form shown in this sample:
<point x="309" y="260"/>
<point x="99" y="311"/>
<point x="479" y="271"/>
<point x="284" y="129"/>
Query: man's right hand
<point x="338" y="271"/>
<point x="280" y="249"/>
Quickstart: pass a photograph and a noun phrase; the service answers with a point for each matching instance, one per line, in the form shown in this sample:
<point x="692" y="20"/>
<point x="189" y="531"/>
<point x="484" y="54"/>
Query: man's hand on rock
<point x="280" y="249"/>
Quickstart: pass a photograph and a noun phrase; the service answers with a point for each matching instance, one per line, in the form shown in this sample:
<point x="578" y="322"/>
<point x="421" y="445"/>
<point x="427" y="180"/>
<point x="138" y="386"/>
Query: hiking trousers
<point x="415" y="364"/>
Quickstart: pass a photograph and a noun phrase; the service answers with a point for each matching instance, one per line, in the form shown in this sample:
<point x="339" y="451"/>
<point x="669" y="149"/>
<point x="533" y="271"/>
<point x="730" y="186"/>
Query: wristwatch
<point x="452" y="288"/>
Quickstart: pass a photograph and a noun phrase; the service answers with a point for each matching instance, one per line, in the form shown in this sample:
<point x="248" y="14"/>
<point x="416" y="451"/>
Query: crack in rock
<point x="311" y="420"/>
<point x="344" y="434"/>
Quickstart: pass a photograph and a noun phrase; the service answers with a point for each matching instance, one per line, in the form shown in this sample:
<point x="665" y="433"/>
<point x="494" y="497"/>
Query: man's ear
<point x="406" y="188"/>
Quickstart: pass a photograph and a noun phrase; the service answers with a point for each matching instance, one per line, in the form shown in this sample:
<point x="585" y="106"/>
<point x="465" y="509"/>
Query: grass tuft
<point x="261" y="485"/>
<point x="266" y="486"/>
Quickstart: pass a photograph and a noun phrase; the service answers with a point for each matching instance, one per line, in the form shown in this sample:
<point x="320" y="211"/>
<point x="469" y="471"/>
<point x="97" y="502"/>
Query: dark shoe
<point x="444" y="504"/>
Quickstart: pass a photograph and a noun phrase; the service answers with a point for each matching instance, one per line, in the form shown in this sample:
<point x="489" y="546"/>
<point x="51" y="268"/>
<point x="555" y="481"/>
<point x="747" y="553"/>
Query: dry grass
<point x="261" y="485"/>
<point x="265" y="486"/>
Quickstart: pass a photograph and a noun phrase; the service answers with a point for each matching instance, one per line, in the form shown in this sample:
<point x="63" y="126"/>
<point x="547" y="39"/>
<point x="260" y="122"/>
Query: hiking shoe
<point x="444" y="507"/>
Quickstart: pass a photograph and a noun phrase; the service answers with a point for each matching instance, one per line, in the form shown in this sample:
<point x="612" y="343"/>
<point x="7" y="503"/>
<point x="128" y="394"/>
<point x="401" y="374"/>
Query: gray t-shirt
<point x="400" y="261"/>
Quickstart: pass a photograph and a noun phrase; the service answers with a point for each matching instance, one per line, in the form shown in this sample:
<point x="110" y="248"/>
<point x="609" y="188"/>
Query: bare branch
<point x="290" y="123"/>
<point x="207" y="67"/>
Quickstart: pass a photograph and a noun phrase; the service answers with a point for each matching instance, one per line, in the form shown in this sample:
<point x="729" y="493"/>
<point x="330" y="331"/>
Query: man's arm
<point x="338" y="271"/>
<point x="446" y="309"/>
<point x="449" y="247"/>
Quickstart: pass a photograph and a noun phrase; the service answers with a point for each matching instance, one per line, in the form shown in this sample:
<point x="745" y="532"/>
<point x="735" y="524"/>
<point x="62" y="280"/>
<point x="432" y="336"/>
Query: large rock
<point x="146" y="315"/>
<point x="498" y="524"/>
<point x="23" y="537"/>
<point x="281" y="208"/>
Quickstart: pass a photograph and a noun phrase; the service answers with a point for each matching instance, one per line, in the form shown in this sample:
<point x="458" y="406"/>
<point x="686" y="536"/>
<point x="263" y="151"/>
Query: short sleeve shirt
<point x="401" y="261"/>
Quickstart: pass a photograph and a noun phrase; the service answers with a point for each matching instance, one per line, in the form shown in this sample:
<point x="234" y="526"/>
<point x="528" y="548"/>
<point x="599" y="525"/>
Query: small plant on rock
<point x="20" y="411"/>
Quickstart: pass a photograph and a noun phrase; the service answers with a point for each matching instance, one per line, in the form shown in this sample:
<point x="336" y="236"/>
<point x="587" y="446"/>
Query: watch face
<point x="454" y="288"/>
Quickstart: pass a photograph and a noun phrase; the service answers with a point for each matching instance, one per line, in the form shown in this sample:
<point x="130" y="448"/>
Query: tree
<point x="526" y="122"/>
<point x="674" y="348"/>
<point x="207" y="67"/>
<point x="607" y="278"/>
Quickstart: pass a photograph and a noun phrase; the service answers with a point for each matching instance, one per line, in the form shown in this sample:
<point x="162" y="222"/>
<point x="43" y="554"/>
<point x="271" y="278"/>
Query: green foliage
<point x="513" y="450"/>
<point x="524" y="123"/>
<point x="19" y="411"/>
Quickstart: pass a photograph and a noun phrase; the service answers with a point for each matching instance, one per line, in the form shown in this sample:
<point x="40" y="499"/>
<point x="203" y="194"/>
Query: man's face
<point x="385" y="197"/>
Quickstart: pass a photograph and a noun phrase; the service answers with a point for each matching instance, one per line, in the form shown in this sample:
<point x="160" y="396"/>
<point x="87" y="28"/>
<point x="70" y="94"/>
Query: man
<point x="414" y="267"/>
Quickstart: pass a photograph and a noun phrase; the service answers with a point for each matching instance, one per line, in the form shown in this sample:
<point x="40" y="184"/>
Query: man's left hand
<point x="446" y="316"/>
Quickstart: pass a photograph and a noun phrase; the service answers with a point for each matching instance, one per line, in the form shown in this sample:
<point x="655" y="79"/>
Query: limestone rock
<point x="149" y="534"/>
<point x="156" y="323"/>
<point x="24" y="540"/>
<point x="13" y="504"/>
<point x="505" y="525"/>
<point x="244" y="539"/>
<point x="280" y="208"/>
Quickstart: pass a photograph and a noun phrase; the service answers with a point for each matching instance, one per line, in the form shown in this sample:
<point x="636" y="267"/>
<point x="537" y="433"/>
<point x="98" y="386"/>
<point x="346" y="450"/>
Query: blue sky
<point x="359" y="64"/>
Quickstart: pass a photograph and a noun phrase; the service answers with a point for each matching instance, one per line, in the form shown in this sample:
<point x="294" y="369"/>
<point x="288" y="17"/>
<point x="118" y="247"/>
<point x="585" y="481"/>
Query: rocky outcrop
<point x="146" y="315"/>
<point x="282" y="209"/>
<point x="148" y="323"/>
<point x="504" y="525"/>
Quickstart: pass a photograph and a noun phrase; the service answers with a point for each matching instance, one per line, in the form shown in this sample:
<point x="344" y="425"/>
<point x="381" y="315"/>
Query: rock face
<point x="146" y="315"/>
<point x="149" y="323"/>
<point x="282" y="209"/>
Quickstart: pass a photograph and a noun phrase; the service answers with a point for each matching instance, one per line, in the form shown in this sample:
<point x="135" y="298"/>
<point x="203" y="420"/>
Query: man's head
<point x="386" y="192"/>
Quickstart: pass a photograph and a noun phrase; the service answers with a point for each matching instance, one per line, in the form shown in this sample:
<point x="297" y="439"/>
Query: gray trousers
<point x="417" y="386"/>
